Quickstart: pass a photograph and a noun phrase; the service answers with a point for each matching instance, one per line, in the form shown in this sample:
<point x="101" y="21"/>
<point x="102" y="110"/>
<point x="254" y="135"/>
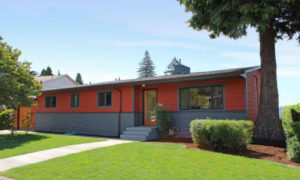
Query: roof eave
<point x="150" y="82"/>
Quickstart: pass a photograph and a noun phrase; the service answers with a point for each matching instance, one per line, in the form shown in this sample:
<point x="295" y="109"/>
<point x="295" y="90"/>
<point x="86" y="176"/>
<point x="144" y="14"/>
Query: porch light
<point x="143" y="85"/>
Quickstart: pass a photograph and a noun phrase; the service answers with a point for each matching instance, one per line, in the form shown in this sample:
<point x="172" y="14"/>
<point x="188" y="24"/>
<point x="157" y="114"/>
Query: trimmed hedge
<point x="291" y="126"/>
<point x="232" y="135"/>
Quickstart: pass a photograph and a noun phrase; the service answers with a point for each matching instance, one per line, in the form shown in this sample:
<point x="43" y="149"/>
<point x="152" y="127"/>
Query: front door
<point x="150" y="101"/>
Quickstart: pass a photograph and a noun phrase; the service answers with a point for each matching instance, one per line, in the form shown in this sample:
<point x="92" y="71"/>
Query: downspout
<point x="119" y="113"/>
<point x="246" y="92"/>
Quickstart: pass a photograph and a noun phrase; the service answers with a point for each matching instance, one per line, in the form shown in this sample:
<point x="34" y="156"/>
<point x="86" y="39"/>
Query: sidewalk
<point x="35" y="157"/>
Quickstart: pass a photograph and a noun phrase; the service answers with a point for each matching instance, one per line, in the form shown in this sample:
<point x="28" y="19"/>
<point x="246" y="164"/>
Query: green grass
<point x="153" y="161"/>
<point x="22" y="144"/>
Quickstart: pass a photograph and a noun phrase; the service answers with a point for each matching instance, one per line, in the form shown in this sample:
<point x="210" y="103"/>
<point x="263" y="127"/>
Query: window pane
<point x="101" y="99"/>
<point x="53" y="101"/>
<point x="200" y="98"/>
<point x="108" y="99"/>
<point x="218" y="97"/>
<point x="48" y="101"/>
<point x="74" y="100"/>
<point x="77" y="100"/>
<point x="184" y="98"/>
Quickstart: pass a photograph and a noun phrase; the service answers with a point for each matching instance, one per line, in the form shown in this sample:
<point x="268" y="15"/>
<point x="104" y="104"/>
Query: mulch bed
<point x="258" y="151"/>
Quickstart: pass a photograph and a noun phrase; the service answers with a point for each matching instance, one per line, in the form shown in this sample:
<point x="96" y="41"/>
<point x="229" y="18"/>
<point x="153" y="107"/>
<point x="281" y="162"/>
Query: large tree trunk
<point x="268" y="125"/>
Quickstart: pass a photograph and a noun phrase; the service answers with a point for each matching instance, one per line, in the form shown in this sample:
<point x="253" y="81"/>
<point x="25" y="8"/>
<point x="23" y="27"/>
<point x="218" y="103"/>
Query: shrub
<point x="163" y="118"/>
<point x="291" y="126"/>
<point x="289" y="115"/>
<point x="232" y="135"/>
<point x="6" y="119"/>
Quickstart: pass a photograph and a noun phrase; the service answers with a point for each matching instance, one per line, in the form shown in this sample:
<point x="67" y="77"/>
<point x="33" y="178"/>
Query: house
<point x="126" y="107"/>
<point x="48" y="82"/>
<point x="55" y="81"/>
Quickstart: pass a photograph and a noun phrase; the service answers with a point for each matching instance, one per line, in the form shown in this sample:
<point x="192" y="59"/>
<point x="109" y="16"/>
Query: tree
<point x="79" y="79"/>
<point x="273" y="20"/>
<point x="18" y="84"/>
<point x="171" y="67"/>
<point x="43" y="72"/>
<point x="146" y="67"/>
<point x="47" y="71"/>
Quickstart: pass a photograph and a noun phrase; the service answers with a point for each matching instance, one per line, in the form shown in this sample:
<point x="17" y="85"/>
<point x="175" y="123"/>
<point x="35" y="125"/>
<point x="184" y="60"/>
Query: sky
<point x="104" y="40"/>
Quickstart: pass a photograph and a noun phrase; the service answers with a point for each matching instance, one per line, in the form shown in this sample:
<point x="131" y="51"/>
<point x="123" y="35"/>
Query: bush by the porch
<point x="291" y="125"/>
<point x="163" y="119"/>
<point x="232" y="135"/>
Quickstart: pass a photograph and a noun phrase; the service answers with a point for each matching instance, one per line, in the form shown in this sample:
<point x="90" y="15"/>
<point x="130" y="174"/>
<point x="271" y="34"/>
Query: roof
<point x="207" y="75"/>
<point x="43" y="79"/>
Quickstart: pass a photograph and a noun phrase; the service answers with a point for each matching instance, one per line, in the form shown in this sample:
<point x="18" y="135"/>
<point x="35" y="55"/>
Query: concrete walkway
<point x="35" y="157"/>
<point x="5" y="132"/>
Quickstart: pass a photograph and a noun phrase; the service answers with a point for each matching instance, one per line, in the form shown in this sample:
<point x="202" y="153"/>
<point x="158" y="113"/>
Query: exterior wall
<point x="253" y="86"/>
<point x="88" y="101"/>
<point x="102" y="124"/>
<point x="58" y="83"/>
<point x="168" y="94"/>
<point x="181" y="120"/>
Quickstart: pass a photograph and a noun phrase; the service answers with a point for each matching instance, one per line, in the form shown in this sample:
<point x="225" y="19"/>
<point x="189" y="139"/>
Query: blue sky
<point x="106" y="39"/>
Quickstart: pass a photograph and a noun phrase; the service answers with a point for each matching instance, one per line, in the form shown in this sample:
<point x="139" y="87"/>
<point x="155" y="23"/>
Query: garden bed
<point x="258" y="151"/>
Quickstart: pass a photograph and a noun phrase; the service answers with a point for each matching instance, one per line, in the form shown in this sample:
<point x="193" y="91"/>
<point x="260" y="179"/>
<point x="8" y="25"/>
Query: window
<point x="105" y="98"/>
<point x="50" y="101"/>
<point x="74" y="100"/>
<point x="209" y="97"/>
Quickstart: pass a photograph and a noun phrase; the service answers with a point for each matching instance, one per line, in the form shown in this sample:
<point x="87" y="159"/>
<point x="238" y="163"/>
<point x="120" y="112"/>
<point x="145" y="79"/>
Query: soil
<point x="257" y="151"/>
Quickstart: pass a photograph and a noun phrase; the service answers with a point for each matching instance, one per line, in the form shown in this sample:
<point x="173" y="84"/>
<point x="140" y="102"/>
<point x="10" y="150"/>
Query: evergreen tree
<point x="171" y="67"/>
<point x="79" y="79"/>
<point x="273" y="20"/>
<point x="49" y="71"/>
<point x="43" y="72"/>
<point x="46" y="72"/>
<point x="146" y="67"/>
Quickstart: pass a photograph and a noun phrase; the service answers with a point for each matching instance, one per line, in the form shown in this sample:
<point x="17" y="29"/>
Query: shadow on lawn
<point x="8" y="142"/>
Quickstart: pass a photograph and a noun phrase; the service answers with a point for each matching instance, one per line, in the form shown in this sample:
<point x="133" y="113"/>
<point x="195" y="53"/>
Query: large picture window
<point x="105" y="99"/>
<point x="208" y="97"/>
<point x="75" y="100"/>
<point x="50" y="101"/>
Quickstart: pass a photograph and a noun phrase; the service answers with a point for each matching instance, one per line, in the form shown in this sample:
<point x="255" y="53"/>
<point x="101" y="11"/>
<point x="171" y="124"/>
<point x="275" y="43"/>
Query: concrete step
<point x="143" y="129"/>
<point x="136" y="133"/>
<point x="134" y="138"/>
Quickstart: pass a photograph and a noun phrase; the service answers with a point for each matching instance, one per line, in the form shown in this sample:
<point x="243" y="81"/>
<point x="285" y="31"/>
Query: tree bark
<point x="268" y="126"/>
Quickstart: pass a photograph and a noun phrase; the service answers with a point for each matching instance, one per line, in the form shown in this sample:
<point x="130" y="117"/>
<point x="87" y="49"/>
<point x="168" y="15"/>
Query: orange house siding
<point x="253" y="85"/>
<point x="88" y="101"/>
<point x="168" y="93"/>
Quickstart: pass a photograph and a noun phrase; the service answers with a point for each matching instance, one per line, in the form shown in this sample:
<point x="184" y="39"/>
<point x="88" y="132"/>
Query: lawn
<point x="153" y="161"/>
<point x="22" y="143"/>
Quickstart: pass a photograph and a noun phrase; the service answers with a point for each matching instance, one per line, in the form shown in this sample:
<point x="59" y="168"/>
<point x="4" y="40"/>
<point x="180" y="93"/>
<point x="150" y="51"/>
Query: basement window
<point x="75" y="100"/>
<point x="50" y="102"/>
<point x="202" y="98"/>
<point x="105" y="99"/>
